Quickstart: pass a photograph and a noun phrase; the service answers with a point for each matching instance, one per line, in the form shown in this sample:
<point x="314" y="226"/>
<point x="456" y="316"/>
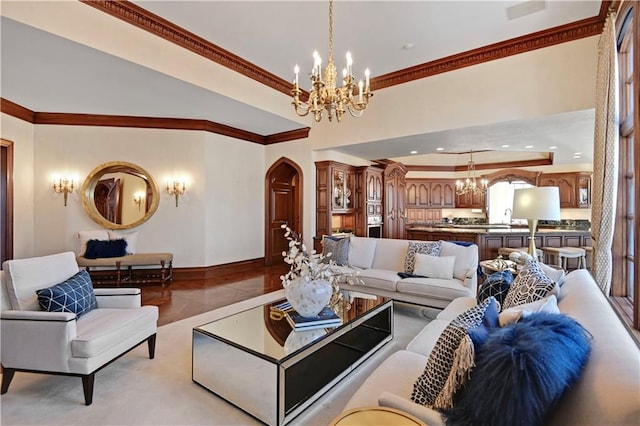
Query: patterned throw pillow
<point x="73" y="295"/>
<point x="496" y="285"/>
<point x="450" y="361"/>
<point x="530" y="285"/>
<point x="339" y="249"/>
<point x="432" y="248"/>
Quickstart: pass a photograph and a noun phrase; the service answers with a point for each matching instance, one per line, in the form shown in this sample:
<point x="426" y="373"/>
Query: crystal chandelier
<point x="469" y="185"/>
<point x="324" y="95"/>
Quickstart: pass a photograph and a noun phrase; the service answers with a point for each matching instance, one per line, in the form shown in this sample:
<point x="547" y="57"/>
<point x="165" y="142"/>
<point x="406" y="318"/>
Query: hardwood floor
<point x="182" y="299"/>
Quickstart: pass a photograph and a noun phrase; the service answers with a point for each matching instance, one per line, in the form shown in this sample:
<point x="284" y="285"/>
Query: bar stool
<point x="506" y="251"/>
<point x="562" y="254"/>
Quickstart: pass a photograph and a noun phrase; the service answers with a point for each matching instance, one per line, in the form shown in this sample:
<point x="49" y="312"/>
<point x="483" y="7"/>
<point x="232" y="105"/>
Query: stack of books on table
<point x="325" y="319"/>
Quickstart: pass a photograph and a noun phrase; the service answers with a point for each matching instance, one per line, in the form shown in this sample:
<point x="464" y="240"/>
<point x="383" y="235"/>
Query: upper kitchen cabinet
<point x="343" y="185"/>
<point x="574" y="188"/>
<point x="430" y="193"/>
<point x="471" y="201"/>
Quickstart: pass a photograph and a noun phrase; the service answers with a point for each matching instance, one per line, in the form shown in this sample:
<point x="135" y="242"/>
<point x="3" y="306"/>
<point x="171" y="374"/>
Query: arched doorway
<point x="283" y="196"/>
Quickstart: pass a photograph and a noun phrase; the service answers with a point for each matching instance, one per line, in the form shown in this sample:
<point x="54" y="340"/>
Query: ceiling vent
<point x="526" y="8"/>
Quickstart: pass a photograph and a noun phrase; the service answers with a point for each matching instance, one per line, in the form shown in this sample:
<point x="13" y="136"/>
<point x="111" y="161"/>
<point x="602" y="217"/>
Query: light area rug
<point x="135" y="390"/>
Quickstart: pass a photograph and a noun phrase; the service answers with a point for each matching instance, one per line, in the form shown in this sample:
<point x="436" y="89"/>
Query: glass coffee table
<point x="263" y="367"/>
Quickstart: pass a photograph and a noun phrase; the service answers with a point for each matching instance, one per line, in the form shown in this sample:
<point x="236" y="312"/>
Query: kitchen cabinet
<point x="574" y="188"/>
<point x="368" y="200"/>
<point x="430" y="193"/>
<point x="395" y="214"/>
<point x="471" y="201"/>
<point x="424" y="215"/>
<point x="335" y="197"/>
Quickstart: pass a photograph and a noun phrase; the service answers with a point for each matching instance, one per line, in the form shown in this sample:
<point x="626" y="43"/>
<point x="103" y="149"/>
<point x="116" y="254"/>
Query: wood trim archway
<point x="294" y="211"/>
<point x="512" y="175"/>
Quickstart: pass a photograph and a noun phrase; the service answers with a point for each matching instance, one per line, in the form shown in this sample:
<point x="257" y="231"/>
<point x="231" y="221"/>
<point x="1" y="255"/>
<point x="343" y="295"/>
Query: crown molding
<point x="546" y="38"/>
<point x="67" y="119"/>
<point x="483" y="166"/>
<point x="142" y="18"/>
<point x="17" y="111"/>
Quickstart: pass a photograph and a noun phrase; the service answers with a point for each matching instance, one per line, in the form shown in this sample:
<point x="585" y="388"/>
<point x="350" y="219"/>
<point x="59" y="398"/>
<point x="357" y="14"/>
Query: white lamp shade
<point x="542" y="203"/>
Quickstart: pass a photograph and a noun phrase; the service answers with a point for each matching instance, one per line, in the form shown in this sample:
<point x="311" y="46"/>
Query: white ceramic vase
<point x="299" y="339"/>
<point x="309" y="297"/>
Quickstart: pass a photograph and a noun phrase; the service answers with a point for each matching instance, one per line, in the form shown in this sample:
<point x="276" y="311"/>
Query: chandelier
<point x="469" y="185"/>
<point x="324" y="95"/>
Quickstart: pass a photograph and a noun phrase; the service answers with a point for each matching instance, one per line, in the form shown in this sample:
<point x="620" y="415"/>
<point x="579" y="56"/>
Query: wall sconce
<point x="63" y="186"/>
<point x="176" y="189"/>
<point x="138" y="198"/>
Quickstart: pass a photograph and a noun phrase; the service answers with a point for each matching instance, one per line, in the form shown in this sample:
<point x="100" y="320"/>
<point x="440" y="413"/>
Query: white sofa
<point x="607" y="393"/>
<point x="63" y="343"/>
<point x="378" y="261"/>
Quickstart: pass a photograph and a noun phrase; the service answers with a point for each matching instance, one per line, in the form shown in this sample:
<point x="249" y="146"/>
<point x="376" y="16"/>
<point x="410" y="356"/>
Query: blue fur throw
<point x="521" y="372"/>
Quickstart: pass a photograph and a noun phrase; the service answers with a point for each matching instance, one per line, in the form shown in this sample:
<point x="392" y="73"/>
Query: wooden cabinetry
<point x="574" y="188"/>
<point x="335" y="197"/>
<point x="369" y="189"/>
<point x="394" y="201"/>
<point x="471" y="201"/>
<point x="430" y="193"/>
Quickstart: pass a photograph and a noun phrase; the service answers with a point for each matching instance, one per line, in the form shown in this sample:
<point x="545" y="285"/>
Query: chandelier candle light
<point x="324" y="95"/>
<point x="470" y="185"/>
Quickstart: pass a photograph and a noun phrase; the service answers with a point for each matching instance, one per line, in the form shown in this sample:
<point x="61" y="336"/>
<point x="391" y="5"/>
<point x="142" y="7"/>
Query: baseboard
<point x="214" y="271"/>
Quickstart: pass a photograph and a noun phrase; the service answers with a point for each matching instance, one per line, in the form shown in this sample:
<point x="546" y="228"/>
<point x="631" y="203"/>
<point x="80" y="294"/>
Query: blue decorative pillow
<point x="105" y="248"/>
<point x="480" y="334"/>
<point x="73" y="295"/>
<point x="522" y="371"/>
<point x="496" y="285"/>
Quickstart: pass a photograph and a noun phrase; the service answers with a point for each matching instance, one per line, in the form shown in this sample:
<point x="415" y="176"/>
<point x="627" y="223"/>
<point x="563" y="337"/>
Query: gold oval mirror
<point x="119" y="195"/>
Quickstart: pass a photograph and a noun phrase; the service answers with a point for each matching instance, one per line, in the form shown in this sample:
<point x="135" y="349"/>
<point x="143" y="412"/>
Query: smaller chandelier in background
<point x="324" y="94"/>
<point x="470" y="184"/>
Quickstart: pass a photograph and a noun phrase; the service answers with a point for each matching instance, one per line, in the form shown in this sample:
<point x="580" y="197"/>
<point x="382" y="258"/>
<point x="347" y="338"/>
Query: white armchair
<point x="59" y="342"/>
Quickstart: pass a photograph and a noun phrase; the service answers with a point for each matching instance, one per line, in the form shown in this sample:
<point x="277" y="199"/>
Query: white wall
<point x="542" y="82"/>
<point x="219" y="219"/>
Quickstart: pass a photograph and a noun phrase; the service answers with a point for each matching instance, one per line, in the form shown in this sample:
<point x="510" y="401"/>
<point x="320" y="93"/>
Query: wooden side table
<point x="378" y="416"/>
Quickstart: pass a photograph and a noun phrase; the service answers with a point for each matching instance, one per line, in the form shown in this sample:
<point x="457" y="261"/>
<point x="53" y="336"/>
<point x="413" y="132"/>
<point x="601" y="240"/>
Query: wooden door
<point x="284" y="205"/>
<point x="108" y="199"/>
<point x="6" y="200"/>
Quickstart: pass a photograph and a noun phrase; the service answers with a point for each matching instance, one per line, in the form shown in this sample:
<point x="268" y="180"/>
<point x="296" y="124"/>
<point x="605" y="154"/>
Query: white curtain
<point x="605" y="155"/>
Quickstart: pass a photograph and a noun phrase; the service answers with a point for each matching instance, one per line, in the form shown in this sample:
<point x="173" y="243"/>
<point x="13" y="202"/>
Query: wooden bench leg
<point x="118" y="277"/>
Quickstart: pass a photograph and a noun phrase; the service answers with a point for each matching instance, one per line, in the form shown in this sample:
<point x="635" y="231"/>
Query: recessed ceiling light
<point x="577" y="153"/>
<point x="414" y="152"/>
<point x="408" y="46"/>
<point x="529" y="146"/>
<point x="506" y="146"/>
<point x="553" y="147"/>
<point x="576" y="156"/>
<point x="439" y="149"/>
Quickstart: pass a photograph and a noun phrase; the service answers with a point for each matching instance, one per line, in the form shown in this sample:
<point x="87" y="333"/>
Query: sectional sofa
<point x="382" y="270"/>
<point x="607" y="392"/>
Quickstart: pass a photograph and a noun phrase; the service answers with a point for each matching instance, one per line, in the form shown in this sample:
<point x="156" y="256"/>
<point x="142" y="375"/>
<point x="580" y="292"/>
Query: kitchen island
<point x="489" y="239"/>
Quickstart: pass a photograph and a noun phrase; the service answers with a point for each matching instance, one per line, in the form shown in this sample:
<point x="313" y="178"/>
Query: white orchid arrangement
<point x="304" y="264"/>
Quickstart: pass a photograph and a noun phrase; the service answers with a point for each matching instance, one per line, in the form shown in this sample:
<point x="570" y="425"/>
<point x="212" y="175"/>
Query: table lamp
<point x="533" y="204"/>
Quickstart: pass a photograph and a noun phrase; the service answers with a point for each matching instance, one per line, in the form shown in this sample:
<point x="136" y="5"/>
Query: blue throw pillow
<point x="480" y="334"/>
<point x="73" y="295"/>
<point x="105" y="248"/>
<point x="526" y="366"/>
<point x="496" y="285"/>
